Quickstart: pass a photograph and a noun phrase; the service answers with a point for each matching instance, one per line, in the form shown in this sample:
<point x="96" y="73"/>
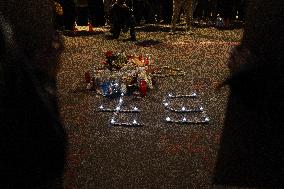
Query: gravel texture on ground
<point x="159" y="154"/>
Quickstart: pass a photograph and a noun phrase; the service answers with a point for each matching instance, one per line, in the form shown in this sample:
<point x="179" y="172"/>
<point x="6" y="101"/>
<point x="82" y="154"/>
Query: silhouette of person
<point x="123" y="19"/>
<point x="32" y="138"/>
<point x="251" y="149"/>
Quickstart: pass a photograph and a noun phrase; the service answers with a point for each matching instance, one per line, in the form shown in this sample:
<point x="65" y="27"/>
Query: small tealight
<point x="194" y="94"/>
<point x="168" y="119"/>
<point x="184" y="119"/>
<point x="183" y="108"/>
<point x="170" y="95"/>
<point x="101" y="107"/>
<point x="112" y="121"/>
<point x="166" y="104"/>
<point x="135" y="108"/>
<point x="134" y="122"/>
<point x="207" y="119"/>
<point x="201" y="108"/>
<point x="118" y="108"/>
<point x="120" y="100"/>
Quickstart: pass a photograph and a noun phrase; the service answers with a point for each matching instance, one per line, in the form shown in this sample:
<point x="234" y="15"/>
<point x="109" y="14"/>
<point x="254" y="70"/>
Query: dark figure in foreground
<point x="122" y="19"/>
<point x="32" y="138"/>
<point x="251" y="151"/>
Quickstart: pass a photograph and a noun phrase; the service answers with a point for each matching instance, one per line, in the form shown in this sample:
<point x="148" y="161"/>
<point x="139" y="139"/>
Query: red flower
<point x="109" y="54"/>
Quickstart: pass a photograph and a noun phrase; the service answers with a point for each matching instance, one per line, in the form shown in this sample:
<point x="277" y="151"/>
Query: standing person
<point x="82" y="7"/>
<point x="32" y="138"/>
<point x="239" y="9"/>
<point x="96" y="12"/>
<point x="107" y="6"/>
<point x="202" y="10"/>
<point x="189" y="6"/>
<point x="226" y="10"/>
<point x="167" y="11"/>
<point x="251" y="148"/>
<point x="149" y="12"/>
<point x="69" y="14"/>
<point x="58" y="15"/>
<point x="213" y="10"/>
<point x="139" y="10"/>
<point x="122" y="18"/>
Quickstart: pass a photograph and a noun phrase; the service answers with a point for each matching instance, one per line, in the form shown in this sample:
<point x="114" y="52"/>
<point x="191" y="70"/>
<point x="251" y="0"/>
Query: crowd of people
<point x="98" y="12"/>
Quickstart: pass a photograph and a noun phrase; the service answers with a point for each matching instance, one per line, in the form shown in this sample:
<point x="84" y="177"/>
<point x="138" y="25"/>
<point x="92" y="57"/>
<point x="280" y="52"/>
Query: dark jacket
<point x="32" y="138"/>
<point x="251" y="149"/>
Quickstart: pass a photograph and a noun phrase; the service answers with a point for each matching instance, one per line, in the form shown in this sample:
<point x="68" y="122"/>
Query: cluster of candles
<point x="118" y="110"/>
<point x="204" y="118"/>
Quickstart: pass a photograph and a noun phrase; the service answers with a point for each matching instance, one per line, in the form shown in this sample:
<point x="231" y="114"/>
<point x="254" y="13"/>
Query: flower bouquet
<point x="121" y="73"/>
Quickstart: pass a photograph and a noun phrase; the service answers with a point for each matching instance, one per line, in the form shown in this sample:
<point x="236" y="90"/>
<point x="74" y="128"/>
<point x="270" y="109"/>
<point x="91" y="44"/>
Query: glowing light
<point x="201" y="108"/>
<point x="134" y="122"/>
<point x="135" y="108"/>
<point x="168" y="119"/>
<point x="184" y="119"/>
<point x="117" y="108"/>
<point x="112" y="121"/>
<point x="101" y="107"/>
<point x="207" y="119"/>
<point x="183" y="108"/>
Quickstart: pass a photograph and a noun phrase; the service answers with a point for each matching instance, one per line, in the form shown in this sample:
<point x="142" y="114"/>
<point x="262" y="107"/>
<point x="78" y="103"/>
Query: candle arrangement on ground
<point x="127" y="74"/>
<point x="130" y="113"/>
<point x="194" y="114"/>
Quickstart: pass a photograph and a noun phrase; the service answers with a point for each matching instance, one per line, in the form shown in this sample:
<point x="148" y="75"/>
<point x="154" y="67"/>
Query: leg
<point x="132" y="33"/>
<point x="116" y="31"/>
<point x="189" y="9"/>
<point x="176" y="10"/>
<point x="107" y="5"/>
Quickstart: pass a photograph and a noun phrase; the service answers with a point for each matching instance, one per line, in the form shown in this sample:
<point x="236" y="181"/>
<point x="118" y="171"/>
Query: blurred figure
<point x="107" y="6"/>
<point x="139" y="7"/>
<point x="239" y="9"/>
<point x="188" y="6"/>
<point x="69" y="14"/>
<point x="32" y="138"/>
<point x="202" y="10"/>
<point x="226" y="11"/>
<point x="122" y="19"/>
<point x="251" y="149"/>
<point x="58" y="15"/>
<point x="167" y="11"/>
<point x="83" y="15"/>
<point x="96" y="12"/>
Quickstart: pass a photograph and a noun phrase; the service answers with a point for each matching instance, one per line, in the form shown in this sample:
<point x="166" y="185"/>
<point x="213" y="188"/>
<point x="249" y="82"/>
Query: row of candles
<point x="167" y="102"/>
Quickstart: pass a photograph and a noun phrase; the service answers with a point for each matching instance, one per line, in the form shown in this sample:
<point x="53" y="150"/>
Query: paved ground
<point x="157" y="155"/>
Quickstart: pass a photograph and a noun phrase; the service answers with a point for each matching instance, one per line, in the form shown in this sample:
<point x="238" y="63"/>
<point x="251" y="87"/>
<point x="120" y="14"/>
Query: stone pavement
<point x="157" y="155"/>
